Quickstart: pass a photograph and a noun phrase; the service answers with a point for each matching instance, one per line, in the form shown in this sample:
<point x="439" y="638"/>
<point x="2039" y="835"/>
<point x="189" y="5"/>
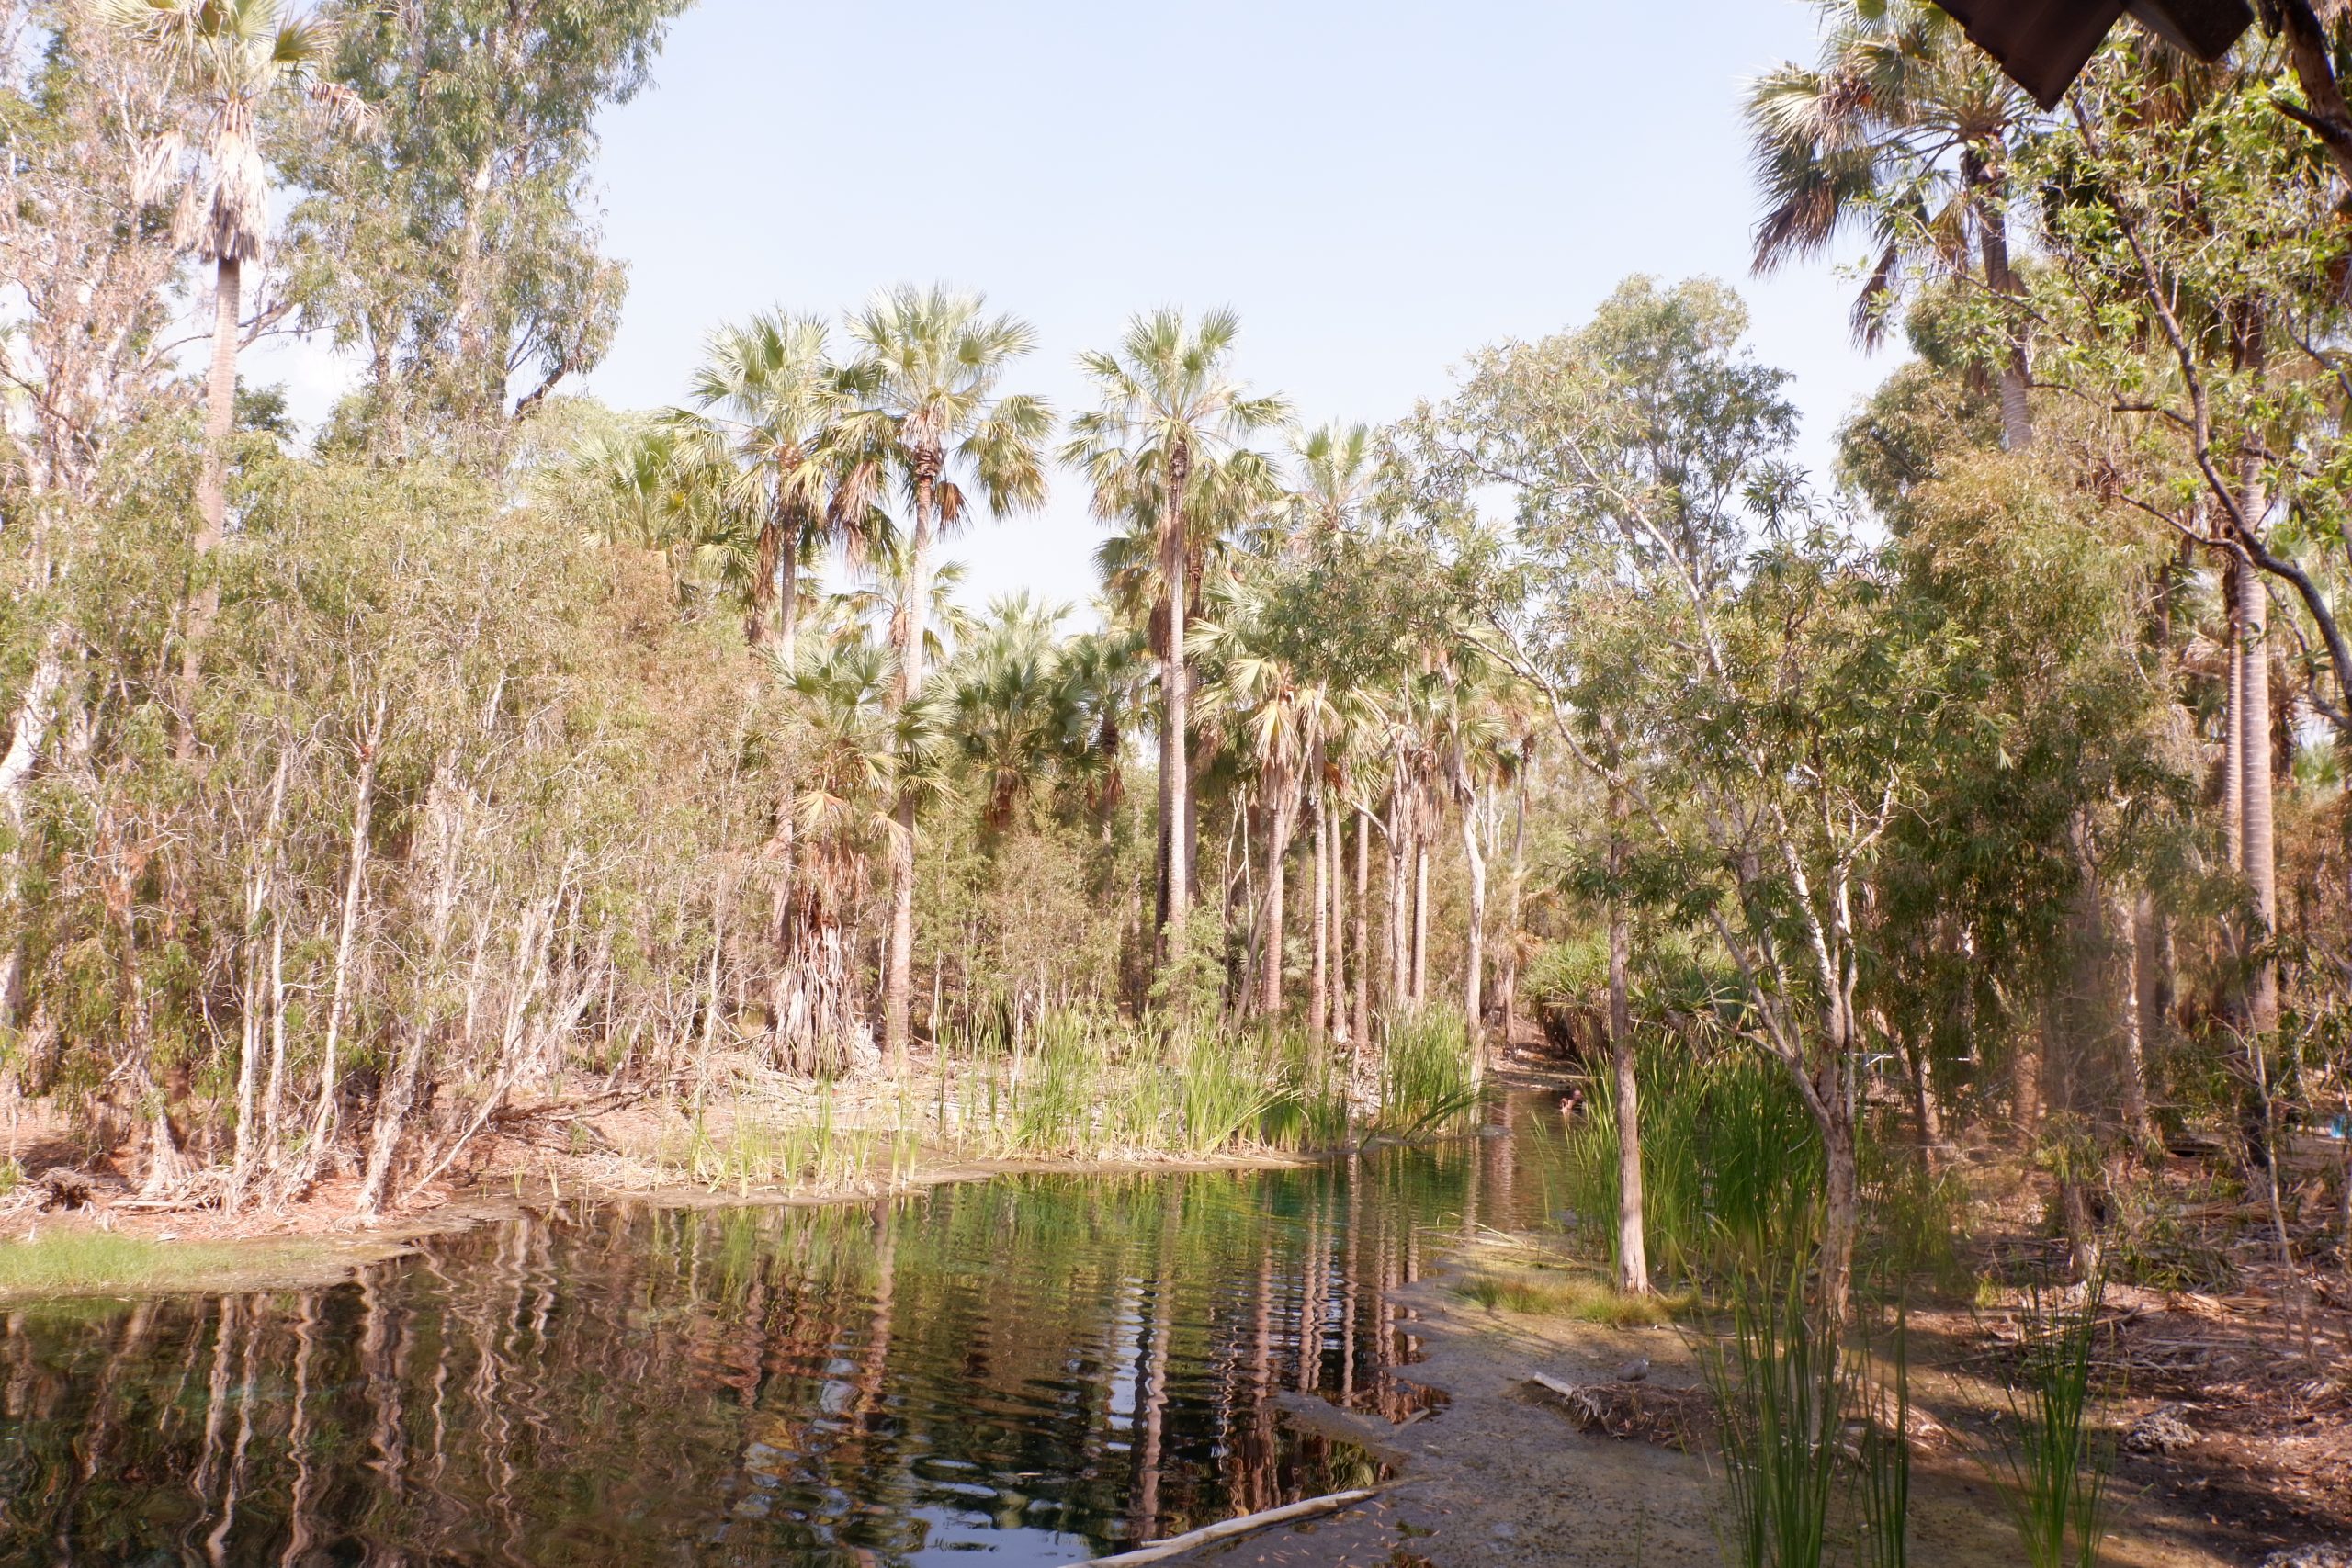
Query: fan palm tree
<point x="1107" y="680"/>
<point x="1904" y="129"/>
<point x="855" y="744"/>
<point x="784" y="406"/>
<point x="930" y="365"/>
<point x="1013" y="711"/>
<point x="628" y="483"/>
<point x="1170" y="405"/>
<point x="1337" y="469"/>
<point x="1283" y="719"/>
<point x="234" y="58"/>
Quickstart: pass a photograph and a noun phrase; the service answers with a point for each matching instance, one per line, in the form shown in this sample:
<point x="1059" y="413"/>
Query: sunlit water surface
<point x="1041" y="1370"/>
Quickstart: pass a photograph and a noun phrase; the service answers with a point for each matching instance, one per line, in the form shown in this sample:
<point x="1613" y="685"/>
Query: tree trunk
<point x="355" y="894"/>
<point x="1421" y="916"/>
<point x="1507" y="981"/>
<point x="2016" y="413"/>
<point x="219" y="412"/>
<point x="1473" y="966"/>
<point x="759" y="616"/>
<point x="1175" y="726"/>
<point x="35" y="709"/>
<point x="1841" y="1206"/>
<point x="1399" y="917"/>
<point x="2139" y="1124"/>
<point x="1633" y="1251"/>
<point x="2254" y="786"/>
<point x="1318" y="983"/>
<point x="212" y="491"/>
<point x="399" y="1095"/>
<point x="1282" y="817"/>
<point x="2233" y="720"/>
<point x="1364" y="931"/>
<point x="897" y="966"/>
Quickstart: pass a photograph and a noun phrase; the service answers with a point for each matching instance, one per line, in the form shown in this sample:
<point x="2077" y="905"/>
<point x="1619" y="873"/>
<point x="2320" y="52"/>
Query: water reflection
<point x="1045" y="1368"/>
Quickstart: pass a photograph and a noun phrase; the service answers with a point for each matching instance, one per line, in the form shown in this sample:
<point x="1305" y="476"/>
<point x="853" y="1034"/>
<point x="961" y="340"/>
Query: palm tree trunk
<point x="2016" y="413"/>
<point x="1175" y="794"/>
<point x="898" y="965"/>
<point x="1633" y="1252"/>
<point x="212" y="485"/>
<point x="788" y="628"/>
<point x="759" y="616"/>
<point x="1421" y="916"/>
<point x="1400" y="918"/>
<point x="1474" y="961"/>
<point x="1319" y="985"/>
<point x="220" y="407"/>
<point x="1363" y="929"/>
<point x="1281" y="812"/>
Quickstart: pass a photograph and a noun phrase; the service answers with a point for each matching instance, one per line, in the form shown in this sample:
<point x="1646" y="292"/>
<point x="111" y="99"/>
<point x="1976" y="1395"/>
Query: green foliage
<point x="1778" y="1381"/>
<point x="1426" y="1077"/>
<point x="1729" y="1152"/>
<point x="2052" y="1462"/>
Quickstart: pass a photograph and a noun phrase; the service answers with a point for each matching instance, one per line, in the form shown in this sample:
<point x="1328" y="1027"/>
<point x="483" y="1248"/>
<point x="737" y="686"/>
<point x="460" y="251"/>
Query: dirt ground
<point x="1499" y="1475"/>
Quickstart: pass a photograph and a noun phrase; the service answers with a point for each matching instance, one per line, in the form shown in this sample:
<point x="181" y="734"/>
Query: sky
<point x="1376" y="186"/>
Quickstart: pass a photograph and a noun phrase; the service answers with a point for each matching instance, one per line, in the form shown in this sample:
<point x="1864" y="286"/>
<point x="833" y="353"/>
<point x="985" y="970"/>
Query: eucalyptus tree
<point x="1170" y="406"/>
<point x="1906" y="131"/>
<point x="785" y="406"/>
<point x="1700" y="681"/>
<point x="931" y="366"/>
<point x="455" y="246"/>
<point x="2193" y="291"/>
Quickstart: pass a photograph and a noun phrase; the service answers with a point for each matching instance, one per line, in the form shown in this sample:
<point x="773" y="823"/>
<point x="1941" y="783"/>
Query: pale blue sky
<point x="1375" y="187"/>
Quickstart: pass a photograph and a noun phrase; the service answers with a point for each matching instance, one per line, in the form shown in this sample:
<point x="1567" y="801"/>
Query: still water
<point x="1038" y="1370"/>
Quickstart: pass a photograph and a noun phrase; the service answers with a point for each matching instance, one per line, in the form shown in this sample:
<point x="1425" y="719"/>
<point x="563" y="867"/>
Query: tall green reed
<point x="2052" y="1462"/>
<point x="1728" y="1148"/>
<point x="1802" y="1408"/>
<point x="1780" y="1391"/>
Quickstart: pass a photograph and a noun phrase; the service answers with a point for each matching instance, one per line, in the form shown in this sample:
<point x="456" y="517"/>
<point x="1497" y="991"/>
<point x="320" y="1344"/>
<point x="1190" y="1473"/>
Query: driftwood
<point x="1175" y="1545"/>
<point x="1638" y="1412"/>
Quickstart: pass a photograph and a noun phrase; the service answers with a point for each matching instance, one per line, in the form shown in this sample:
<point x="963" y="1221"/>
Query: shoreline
<point x="318" y="1244"/>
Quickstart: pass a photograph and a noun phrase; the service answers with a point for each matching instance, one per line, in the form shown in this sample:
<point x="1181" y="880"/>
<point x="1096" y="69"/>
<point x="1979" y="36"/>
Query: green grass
<point x="1586" y="1301"/>
<point x="79" y="1262"/>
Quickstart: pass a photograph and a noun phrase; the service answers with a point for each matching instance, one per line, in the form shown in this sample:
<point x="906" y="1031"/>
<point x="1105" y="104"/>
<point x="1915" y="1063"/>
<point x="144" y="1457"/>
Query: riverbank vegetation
<point x="1953" y="849"/>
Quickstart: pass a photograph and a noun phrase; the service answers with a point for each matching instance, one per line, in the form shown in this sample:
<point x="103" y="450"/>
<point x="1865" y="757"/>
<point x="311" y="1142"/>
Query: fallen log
<point x="1176" y="1545"/>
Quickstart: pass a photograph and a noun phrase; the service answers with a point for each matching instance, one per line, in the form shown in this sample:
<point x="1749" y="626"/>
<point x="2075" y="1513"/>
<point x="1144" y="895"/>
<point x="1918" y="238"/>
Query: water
<point x="1040" y="1368"/>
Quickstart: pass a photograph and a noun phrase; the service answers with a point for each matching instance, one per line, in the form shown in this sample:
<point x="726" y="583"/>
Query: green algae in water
<point x="1048" y="1369"/>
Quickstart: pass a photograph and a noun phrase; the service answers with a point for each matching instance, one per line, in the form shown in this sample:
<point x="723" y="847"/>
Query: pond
<point x="1041" y="1369"/>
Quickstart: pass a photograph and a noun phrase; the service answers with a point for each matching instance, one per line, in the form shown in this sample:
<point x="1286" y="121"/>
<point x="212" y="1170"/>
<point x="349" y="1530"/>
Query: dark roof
<point x="2043" y="43"/>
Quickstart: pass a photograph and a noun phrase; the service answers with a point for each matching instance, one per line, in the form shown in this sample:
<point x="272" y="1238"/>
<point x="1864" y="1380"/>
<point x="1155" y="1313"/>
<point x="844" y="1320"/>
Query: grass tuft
<point x="1586" y="1301"/>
